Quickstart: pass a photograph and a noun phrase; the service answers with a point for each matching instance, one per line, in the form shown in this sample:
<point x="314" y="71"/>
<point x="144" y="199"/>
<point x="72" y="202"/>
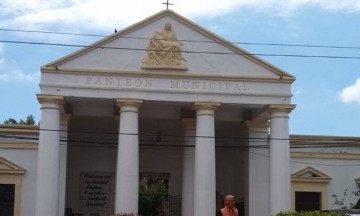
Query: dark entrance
<point x="7" y="198"/>
<point x="307" y="201"/>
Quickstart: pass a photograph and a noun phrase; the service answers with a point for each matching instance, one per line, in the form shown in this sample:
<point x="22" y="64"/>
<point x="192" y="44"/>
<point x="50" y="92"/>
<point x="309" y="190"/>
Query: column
<point x="48" y="165"/>
<point x="280" y="179"/>
<point x="127" y="173"/>
<point x="64" y="120"/>
<point x="257" y="168"/>
<point x="187" y="207"/>
<point x="205" y="176"/>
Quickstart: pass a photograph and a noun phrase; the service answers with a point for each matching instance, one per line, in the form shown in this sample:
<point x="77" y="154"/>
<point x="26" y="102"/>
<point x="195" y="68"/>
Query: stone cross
<point x="167" y="4"/>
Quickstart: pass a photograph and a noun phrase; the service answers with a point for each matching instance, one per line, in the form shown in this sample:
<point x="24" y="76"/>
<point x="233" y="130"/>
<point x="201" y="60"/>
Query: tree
<point x="152" y="192"/>
<point x="30" y="120"/>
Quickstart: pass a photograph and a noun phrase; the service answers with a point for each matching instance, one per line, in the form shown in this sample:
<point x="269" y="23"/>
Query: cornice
<point x="19" y="129"/>
<point x="326" y="155"/>
<point x="18" y="145"/>
<point x="321" y="139"/>
<point x="161" y="74"/>
<point x="160" y="90"/>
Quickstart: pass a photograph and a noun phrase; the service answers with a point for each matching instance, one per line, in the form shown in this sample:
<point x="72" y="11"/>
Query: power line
<point x="184" y="51"/>
<point x="87" y="132"/>
<point x="203" y="41"/>
<point x="151" y="144"/>
<point x="168" y="138"/>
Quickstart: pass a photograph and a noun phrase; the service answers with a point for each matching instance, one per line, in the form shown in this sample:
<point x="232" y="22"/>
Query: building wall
<point x="25" y="158"/>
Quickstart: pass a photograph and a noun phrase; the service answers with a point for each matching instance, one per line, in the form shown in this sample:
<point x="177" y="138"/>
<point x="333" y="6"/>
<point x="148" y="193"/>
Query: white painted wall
<point x="26" y="158"/>
<point x="342" y="173"/>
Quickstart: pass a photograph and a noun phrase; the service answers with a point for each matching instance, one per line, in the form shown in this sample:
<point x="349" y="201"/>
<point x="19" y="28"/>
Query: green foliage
<point x="357" y="194"/>
<point x="341" y="201"/>
<point x="11" y="121"/>
<point x="152" y="192"/>
<point x="310" y="213"/>
<point x="30" y="120"/>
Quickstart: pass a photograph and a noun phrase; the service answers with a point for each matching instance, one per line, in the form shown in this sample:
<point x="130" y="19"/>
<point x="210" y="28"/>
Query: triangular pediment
<point x="310" y="174"/>
<point x="202" y="53"/>
<point x="7" y="167"/>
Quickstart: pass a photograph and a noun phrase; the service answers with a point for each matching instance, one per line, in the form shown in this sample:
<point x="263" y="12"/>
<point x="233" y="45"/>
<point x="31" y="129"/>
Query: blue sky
<point x="326" y="90"/>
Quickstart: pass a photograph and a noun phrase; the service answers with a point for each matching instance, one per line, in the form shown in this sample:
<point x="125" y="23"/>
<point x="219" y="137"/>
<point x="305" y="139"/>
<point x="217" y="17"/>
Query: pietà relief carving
<point x="164" y="50"/>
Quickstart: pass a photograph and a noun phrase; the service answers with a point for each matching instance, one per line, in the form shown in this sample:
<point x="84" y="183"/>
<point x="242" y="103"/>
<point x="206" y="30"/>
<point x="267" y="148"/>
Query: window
<point x="309" y="189"/>
<point x="307" y="201"/>
<point x="10" y="188"/>
<point x="7" y="199"/>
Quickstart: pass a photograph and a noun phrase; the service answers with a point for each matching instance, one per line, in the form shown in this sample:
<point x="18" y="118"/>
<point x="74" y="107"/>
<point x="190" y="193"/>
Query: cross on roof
<point x="167" y="4"/>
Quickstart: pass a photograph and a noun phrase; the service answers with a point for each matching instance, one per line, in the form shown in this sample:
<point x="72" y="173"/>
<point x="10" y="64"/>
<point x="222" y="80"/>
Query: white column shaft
<point x="188" y="168"/>
<point x="258" y="170"/>
<point x="63" y="161"/>
<point x="47" y="187"/>
<point x="205" y="179"/>
<point x="280" y="180"/>
<point x="127" y="175"/>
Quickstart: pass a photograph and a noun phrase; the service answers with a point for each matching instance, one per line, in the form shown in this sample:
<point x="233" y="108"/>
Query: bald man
<point x="229" y="209"/>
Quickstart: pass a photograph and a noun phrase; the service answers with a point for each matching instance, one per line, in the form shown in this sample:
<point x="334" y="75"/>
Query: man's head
<point x="229" y="201"/>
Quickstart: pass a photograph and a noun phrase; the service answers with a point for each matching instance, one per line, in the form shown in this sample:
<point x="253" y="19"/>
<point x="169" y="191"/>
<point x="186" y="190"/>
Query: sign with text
<point x="95" y="190"/>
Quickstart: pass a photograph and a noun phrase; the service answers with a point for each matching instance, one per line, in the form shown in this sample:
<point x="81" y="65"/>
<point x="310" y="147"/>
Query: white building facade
<point x="165" y="97"/>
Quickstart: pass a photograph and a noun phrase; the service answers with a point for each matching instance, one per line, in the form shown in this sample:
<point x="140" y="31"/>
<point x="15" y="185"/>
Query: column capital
<point x="128" y="102"/>
<point x="205" y="105"/>
<point x="43" y="98"/>
<point x="280" y="108"/>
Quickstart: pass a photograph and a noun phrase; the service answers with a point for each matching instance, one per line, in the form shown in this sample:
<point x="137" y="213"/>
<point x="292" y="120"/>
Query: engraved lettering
<point x="88" y="80"/>
<point x="204" y="85"/>
<point x="128" y="82"/>
<point x="212" y="86"/>
<point x="237" y="88"/>
<point x="185" y="84"/>
<point x="98" y="81"/>
<point x="137" y="83"/>
<point x="147" y="83"/>
<point x="166" y="84"/>
<point x="108" y="81"/>
<point x="174" y="84"/>
<point x="227" y="86"/>
<point x="119" y="81"/>
<point x="195" y="85"/>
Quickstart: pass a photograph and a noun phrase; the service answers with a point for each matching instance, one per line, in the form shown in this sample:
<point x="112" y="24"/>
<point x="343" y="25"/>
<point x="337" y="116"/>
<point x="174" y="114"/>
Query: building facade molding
<point x="205" y="106"/>
<point x="11" y="173"/>
<point x="287" y="108"/>
<point x="326" y="155"/>
<point x="128" y="102"/>
<point x="310" y="179"/>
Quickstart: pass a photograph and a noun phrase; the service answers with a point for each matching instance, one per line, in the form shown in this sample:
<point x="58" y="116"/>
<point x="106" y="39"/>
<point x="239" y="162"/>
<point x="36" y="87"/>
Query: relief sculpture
<point x="164" y="50"/>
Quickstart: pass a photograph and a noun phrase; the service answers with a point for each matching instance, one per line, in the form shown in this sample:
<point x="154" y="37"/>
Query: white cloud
<point x="9" y="72"/>
<point x="351" y="93"/>
<point x="108" y="14"/>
